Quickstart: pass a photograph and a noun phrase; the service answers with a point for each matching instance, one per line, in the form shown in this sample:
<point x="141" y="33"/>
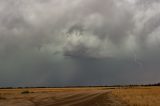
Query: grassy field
<point x="94" y="96"/>
<point x="139" y="96"/>
<point x="88" y="96"/>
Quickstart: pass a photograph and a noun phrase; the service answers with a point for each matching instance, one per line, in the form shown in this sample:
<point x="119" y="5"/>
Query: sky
<point x="79" y="42"/>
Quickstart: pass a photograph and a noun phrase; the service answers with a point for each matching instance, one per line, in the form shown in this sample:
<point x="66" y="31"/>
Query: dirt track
<point x="63" y="98"/>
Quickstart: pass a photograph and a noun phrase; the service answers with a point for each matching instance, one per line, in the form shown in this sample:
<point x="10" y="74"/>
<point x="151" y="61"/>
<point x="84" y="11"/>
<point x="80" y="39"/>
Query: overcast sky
<point x="79" y="42"/>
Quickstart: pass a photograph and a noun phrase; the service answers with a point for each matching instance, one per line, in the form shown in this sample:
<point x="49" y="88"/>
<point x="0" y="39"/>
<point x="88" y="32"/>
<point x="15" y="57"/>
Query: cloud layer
<point x="79" y="42"/>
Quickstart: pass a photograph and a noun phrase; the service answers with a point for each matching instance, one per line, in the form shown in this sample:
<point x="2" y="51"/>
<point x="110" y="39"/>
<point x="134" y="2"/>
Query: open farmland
<point x="139" y="96"/>
<point x="91" y="96"/>
<point x="57" y="97"/>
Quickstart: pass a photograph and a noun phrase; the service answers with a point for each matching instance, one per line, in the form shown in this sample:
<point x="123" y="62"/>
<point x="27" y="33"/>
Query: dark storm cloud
<point x="78" y="42"/>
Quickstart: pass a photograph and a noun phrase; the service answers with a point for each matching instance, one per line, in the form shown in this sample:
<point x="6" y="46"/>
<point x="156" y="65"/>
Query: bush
<point x="2" y="98"/>
<point x="25" y="92"/>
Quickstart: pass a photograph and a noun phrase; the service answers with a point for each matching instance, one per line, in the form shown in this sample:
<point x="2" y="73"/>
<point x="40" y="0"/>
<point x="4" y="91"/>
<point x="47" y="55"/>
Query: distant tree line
<point x="131" y="85"/>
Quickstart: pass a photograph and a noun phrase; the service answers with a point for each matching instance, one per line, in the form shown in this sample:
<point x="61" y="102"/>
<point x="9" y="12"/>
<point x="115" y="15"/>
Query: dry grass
<point x="37" y="90"/>
<point x="2" y="97"/>
<point x="136" y="96"/>
<point x="139" y="96"/>
<point x="52" y="96"/>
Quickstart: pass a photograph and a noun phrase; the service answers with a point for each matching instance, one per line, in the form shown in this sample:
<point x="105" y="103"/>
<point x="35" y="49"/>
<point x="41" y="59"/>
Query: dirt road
<point x="63" y="98"/>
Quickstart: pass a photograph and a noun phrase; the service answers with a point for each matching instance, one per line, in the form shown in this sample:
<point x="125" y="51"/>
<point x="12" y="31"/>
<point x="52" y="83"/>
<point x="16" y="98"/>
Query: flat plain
<point x="83" y="96"/>
<point x="139" y="96"/>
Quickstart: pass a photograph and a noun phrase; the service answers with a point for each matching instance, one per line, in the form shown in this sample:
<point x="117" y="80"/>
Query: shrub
<point x="25" y="92"/>
<point x="2" y="98"/>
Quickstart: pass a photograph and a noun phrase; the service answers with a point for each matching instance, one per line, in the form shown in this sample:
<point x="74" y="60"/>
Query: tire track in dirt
<point x="88" y="98"/>
<point x="80" y="97"/>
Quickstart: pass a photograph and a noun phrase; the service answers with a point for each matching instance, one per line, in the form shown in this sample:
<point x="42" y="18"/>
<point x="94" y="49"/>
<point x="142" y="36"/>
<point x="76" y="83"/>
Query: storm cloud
<point x="79" y="42"/>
